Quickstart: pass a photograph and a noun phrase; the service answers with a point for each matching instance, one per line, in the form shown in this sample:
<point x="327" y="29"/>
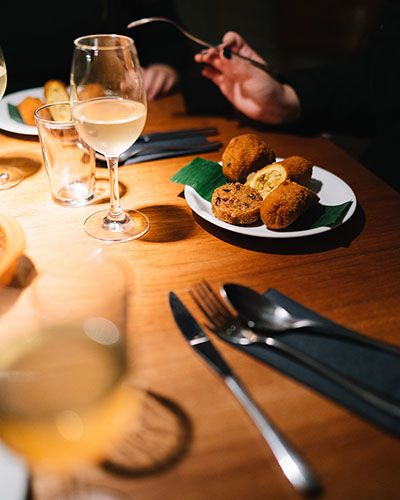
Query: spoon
<point x="262" y="315"/>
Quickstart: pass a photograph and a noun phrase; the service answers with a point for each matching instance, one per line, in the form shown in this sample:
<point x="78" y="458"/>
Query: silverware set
<point x="169" y="144"/>
<point x="259" y="322"/>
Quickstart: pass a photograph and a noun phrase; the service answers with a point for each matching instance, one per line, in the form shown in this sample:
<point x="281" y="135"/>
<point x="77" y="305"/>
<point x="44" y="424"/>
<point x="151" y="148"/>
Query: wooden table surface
<point x="197" y="443"/>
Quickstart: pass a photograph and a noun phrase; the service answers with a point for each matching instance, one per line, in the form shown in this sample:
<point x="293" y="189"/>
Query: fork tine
<point x="210" y="305"/>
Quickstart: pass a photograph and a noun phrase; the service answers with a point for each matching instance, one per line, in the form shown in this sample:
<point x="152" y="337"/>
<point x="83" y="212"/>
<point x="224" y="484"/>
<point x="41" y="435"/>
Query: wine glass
<point x="109" y="108"/>
<point x="9" y="176"/>
<point x="65" y="399"/>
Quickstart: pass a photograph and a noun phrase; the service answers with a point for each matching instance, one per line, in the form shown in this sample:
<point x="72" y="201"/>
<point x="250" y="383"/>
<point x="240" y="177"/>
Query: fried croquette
<point x="91" y="90"/>
<point x="294" y="169"/>
<point x="298" y="169"/>
<point x="245" y="154"/>
<point x="27" y="109"/>
<point x="236" y="203"/>
<point x="285" y="204"/>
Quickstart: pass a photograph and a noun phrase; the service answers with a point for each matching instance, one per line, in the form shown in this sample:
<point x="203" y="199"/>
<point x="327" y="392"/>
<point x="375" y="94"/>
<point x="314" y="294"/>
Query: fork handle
<point x="292" y="464"/>
<point x="384" y="403"/>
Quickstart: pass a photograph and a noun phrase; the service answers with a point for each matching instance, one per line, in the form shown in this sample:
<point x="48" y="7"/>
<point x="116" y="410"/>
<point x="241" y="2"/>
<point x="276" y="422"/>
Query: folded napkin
<point x="376" y="369"/>
<point x="165" y="145"/>
<point x="207" y="147"/>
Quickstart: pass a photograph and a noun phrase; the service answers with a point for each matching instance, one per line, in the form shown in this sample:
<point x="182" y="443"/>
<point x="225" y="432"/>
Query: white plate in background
<point x="8" y="123"/>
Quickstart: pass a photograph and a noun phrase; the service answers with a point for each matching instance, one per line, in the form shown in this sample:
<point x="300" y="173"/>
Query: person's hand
<point x="159" y="80"/>
<point x="251" y="90"/>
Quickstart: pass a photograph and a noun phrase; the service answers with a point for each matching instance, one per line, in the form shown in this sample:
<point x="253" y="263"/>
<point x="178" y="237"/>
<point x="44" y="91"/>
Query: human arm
<point x="159" y="80"/>
<point x="251" y="90"/>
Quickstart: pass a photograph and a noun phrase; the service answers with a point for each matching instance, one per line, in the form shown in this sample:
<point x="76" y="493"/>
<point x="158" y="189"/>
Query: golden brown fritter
<point x="245" y="154"/>
<point x="27" y="109"/>
<point x="298" y="169"/>
<point x="285" y="204"/>
<point x="236" y="203"/>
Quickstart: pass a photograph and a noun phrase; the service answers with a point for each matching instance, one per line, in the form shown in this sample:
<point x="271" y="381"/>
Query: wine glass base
<point x="100" y="227"/>
<point x="10" y="177"/>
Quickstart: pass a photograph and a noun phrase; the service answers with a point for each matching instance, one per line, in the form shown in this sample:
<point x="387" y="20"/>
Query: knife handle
<point x="291" y="463"/>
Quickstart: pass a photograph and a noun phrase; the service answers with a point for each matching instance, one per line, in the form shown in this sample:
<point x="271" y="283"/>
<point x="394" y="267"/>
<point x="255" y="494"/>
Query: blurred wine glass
<point x="9" y="176"/>
<point x="109" y="108"/>
<point x="65" y="399"/>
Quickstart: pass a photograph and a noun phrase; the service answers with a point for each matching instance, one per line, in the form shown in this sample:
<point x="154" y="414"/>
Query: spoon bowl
<point x="265" y="317"/>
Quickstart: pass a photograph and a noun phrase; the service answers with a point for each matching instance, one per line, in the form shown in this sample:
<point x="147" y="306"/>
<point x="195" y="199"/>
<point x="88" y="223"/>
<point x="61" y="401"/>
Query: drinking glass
<point x="109" y="108"/>
<point x="65" y="400"/>
<point x="9" y="176"/>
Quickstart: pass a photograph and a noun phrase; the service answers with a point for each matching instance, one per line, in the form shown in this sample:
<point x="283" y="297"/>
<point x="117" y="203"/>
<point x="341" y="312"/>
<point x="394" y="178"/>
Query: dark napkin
<point x="165" y="147"/>
<point x="184" y="151"/>
<point x="378" y="370"/>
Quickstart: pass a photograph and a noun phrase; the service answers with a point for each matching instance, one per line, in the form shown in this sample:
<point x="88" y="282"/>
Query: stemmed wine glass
<point x="65" y="396"/>
<point x="9" y="176"/>
<point x="109" y="108"/>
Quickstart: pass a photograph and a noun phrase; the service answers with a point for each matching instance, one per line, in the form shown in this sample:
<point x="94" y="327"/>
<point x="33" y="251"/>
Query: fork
<point x="264" y="66"/>
<point x="222" y="322"/>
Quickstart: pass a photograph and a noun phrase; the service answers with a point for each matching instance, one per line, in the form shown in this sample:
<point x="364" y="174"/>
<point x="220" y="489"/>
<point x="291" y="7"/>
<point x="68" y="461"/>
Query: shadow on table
<point x="167" y="223"/>
<point x="160" y="440"/>
<point x="341" y="236"/>
<point x="28" y="166"/>
<point x="103" y="190"/>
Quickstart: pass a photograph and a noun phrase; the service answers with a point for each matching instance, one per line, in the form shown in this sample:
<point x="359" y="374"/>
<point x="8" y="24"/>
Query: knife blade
<point x="291" y="463"/>
<point x="175" y="134"/>
<point x="197" y="338"/>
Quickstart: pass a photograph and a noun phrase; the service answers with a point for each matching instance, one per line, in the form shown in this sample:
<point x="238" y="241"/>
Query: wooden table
<point x="199" y="444"/>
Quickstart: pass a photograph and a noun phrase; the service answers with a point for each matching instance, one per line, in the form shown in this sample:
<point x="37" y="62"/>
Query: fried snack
<point x="285" y="204"/>
<point x="298" y="169"/>
<point x="90" y="91"/>
<point x="245" y="154"/>
<point x="294" y="168"/>
<point x="236" y="203"/>
<point x="56" y="91"/>
<point x="27" y="109"/>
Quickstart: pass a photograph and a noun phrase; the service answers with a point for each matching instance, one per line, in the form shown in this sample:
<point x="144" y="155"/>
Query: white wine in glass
<point x="109" y="108"/>
<point x="65" y="399"/>
<point x="9" y="176"/>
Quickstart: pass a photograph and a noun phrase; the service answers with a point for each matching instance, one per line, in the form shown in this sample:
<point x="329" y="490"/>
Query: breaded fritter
<point x="285" y="204"/>
<point x="245" y="154"/>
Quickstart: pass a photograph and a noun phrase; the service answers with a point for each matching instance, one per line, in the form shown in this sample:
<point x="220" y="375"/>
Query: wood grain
<point x="221" y="456"/>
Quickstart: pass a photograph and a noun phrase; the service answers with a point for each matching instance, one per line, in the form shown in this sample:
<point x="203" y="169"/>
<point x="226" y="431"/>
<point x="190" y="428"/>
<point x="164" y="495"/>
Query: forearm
<point x="281" y="106"/>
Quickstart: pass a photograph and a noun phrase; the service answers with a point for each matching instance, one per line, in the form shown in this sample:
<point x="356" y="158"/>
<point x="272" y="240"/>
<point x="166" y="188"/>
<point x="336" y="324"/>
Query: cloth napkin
<point x="379" y="370"/>
<point x="165" y="147"/>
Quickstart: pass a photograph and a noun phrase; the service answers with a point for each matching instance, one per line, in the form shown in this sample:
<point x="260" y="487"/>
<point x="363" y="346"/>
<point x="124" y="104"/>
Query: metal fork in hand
<point x="145" y="20"/>
<point x="225" y="325"/>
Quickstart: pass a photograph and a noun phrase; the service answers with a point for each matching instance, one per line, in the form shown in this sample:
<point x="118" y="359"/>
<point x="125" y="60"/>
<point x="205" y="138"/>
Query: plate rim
<point x="15" y="98"/>
<point x="260" y="231"/>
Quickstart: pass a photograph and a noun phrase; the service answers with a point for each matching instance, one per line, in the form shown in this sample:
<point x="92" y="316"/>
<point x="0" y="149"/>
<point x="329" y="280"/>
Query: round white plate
<point x="6" y="122"/>
<point x="330" y="189"/>
<point x="13" y="476"/>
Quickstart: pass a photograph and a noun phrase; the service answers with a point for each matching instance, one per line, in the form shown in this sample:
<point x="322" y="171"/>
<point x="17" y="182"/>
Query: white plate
<point x="6" y="122"/>
<point x="13" y="476"/>
<point x="330" y="189"/>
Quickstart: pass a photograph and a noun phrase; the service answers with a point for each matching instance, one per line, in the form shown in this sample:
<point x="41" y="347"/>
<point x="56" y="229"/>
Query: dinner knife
<point x="292" y="464"/>
<point x="175" y="134"/>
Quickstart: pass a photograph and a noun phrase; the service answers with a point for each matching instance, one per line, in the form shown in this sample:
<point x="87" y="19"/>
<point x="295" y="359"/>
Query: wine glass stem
<point x="115" y="212"/>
